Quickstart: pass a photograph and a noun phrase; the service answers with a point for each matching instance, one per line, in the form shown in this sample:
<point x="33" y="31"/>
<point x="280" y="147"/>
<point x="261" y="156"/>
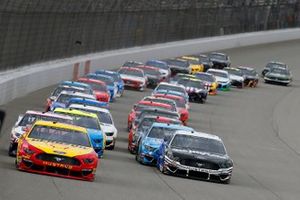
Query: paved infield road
<point x="259" y="127"/>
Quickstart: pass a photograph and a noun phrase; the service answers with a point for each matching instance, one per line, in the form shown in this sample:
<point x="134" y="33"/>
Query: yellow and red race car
<point x="195" y="63"/>
<point x="57" y="149"/>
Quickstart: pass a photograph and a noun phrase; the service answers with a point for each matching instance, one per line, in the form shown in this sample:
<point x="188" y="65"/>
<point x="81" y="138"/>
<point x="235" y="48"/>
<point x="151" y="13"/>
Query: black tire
<point x="11" y="151"/>
<point x="226" y="181"/>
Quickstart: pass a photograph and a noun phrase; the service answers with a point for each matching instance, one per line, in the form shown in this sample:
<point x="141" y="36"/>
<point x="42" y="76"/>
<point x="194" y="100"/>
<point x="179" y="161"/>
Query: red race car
<point x="133" y="77"/>
<point x="154" y="76"/>
<point x="181" y="106"/>
<point x="142" y="104"/>
<point x="99" y="88"/>
<point x="142" y="128"/>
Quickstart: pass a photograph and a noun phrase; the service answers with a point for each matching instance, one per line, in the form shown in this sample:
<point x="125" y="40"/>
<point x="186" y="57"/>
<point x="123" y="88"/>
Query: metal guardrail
<point x="39" y="30"/>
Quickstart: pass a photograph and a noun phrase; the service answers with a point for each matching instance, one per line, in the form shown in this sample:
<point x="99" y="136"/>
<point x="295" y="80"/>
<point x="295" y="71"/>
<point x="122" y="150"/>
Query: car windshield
<point x="206" y="77"/>
<point x="60" y="135"/>
<point x="179" y="63"/>
<point x="161" y="132"/>
<point x="218" y="74"/>
<point x="234" y="72"/>
<point x="98" y="87"/>
<point x="86" y="122"/>
<point x="64" y="98"/>
<point x="105" y="79"/>
<point x="132" y="64"/>
<point x="145" y="124"/>
<point x="29" y="119"/>
<point x="272" y="65"/>
<point x="171" y="88"/>
<point x="131" y="72"/>
<point x="159" y="65"/>
<point x="151" y="72"/>
<point x="191" y="83"/>
<point x="59" y="89"/>
<point x="218" y="56"/>
<point x="198" y="144"/>
<point x="172" y="115"/>
<point x="280" y="71"/>
<point x="249" y="72"/>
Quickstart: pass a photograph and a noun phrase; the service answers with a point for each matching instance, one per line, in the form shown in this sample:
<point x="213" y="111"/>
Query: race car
<point x="236" y="77"/>
<point x="209" y="80"/>
<point x="75" y="84"/>
<point x="181" y="105"/>
<point x="195" y="155"/>
<point x="110" y="84"/>
<point x="117" y="78"/>
<point x="106" y="122"/>
<point x="137" y="131"/>
<point x="251" y="76"/>
<point x="279" y="75"/>
<point x="87" y="102"/>
<point x="62" y="100"/>
<point x="162" y="87"/>
<point x="196" y="89"/>
<point x="220" y="60"/>
<point x="99" y="88"/>
<point x="178" y="66"/>
<point x="163" y="67"/>
<point x="89" y="121"/>
<point x="195" y="63"/>
<point x="206" y="62"/>
<point x="154" y="76"/>
<point x="149" y="144"/>
<point x="69" y="87"/>
<point x="26" y="120"/>
<point x="222" y="77"/>
<point x="57" y="149"/>
<point x="272" y="64"/>
<point x="135" y="111"/>
<point x="133" y="77"/>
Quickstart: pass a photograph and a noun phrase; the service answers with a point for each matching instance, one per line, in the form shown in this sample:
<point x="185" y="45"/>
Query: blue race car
<point x="88" y="102"/>
<point x="117" y="79"/>
<point x="148" y="146"/>
<point x="111" y="85"/>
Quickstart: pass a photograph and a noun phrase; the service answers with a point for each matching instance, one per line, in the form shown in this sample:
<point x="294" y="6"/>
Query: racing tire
<point x="11" y="152"/>
<point x="226" y="181"/>
<point x="163" y="170"/>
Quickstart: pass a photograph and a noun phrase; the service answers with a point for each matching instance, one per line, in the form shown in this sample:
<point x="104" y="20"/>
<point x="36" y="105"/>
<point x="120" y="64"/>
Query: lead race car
<point x="57" y="149"/>
<point x="195" y="155"/>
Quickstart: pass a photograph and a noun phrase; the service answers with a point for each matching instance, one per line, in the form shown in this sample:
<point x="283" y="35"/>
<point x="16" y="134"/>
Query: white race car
<point x="222" y="77"/>
<point x="25" y="121"/>
<point x="106" y="120"/>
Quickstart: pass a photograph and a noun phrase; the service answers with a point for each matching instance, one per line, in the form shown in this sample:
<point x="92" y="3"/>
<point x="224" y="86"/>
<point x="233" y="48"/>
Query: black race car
<point x="207" y="63"/>
<point x="271" y="65"/>
<point x="178" y="66"/>
<point x="220" y="60"/>
<point x="196" y="89"/>
<point x="251" y="76"/>
<point x="196" y="155"/>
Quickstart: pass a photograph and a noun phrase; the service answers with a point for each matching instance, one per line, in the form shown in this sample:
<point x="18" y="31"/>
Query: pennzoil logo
<point x="60" y="152"/>
<point x="60" y="165"/>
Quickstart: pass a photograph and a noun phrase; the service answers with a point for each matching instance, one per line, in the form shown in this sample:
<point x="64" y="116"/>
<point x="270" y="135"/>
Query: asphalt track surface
<point x="259" y="126"/>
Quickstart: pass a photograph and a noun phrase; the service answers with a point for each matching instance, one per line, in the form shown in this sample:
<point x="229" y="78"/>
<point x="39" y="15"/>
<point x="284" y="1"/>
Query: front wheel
<point x="226" y="181"/>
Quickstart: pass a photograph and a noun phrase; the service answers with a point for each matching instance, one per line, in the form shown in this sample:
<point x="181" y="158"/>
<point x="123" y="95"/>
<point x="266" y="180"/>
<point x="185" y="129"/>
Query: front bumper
<point x="175" y="168"/>
<point x="238" y="84"/>
<point x="276" y="80"/>
<point x="56" y="169"/>
<point x="223" y="86"/>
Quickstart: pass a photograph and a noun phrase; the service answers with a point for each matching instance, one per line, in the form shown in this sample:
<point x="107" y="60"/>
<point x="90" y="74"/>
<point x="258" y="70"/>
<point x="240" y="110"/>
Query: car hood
<point x="108" y="128"/>
<point x="235" y="77"/>
<point x="59" y="148"/>
<point x="133" y="78"/>
<point x="222" y="79"/>
<point x="199" y="155"/>
<point x="153" y="142"/>
<point x="95" y="134"/>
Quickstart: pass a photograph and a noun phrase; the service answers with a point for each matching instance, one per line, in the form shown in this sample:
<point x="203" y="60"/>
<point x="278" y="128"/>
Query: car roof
<point x="48" y="114"/>
<point x="79" y="94"/>
<point x="88" y="107"/>
<point x="75" y="112"/>
<point x="60" y="125"/>
<point x="217" y="70"/>
<point x="75" y="83"/>
<point x="131" y="69"/>
<point x="168" y="95"/>
<point x="170" y="84"/>
<point x="90" y="80"/>
<point x="172" y="126"/>
<point x="100" y="75"/>
<point x="198" y="134"/>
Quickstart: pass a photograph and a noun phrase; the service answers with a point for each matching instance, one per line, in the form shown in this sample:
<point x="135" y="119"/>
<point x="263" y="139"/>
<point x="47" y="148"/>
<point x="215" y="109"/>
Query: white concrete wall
<point x="24" y="80"/>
